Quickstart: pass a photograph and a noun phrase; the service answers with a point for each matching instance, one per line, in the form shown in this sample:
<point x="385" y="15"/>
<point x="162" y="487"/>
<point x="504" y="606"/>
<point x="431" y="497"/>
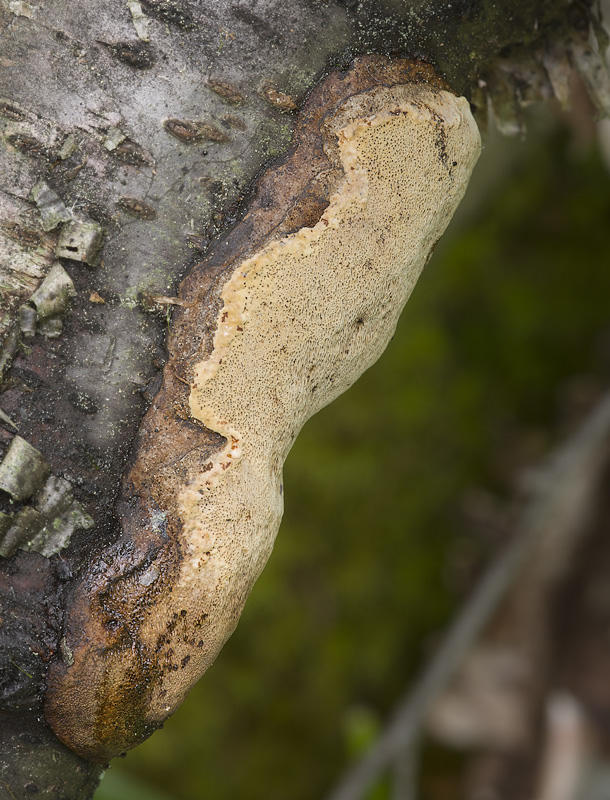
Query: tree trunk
<point x="131" y="133"/>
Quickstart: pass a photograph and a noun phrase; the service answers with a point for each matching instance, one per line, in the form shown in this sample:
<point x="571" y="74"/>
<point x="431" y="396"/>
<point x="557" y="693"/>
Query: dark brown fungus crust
<point x="150" y="614"/>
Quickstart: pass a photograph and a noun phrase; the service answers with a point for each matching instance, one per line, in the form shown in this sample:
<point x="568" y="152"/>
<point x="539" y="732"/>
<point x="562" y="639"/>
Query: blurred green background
<point x="398" y="492"/>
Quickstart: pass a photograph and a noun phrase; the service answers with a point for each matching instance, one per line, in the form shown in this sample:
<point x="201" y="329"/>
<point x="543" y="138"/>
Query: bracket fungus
<point x="290" y="307"/>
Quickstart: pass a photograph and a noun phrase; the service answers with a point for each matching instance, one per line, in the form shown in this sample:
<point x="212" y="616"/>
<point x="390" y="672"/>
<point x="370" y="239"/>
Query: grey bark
<point x="129" y="137"/>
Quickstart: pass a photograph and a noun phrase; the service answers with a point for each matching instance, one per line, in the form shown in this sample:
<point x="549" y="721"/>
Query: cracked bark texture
<point x="146" y="132"/>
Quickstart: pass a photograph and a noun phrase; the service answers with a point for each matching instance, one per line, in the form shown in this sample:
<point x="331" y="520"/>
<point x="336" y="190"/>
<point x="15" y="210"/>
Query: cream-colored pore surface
<point x="304" y="317"/>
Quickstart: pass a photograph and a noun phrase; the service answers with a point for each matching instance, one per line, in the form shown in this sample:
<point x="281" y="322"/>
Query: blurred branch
<point x="405" y="772"/>
<point x="561" y="496"/>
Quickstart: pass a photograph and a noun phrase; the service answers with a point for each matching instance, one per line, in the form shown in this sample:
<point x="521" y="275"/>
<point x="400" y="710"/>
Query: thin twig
<point x="406" y="769"/>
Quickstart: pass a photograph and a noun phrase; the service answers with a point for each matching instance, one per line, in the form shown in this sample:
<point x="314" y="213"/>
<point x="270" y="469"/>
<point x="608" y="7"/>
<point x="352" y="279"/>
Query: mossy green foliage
<point x="507" y="332"/>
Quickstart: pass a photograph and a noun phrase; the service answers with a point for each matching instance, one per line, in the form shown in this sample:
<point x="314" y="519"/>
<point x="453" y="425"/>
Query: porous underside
<point x="302" y="319"/>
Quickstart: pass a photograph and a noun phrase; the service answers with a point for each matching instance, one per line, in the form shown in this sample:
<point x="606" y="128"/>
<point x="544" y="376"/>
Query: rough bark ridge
<point x="128" y="148"/>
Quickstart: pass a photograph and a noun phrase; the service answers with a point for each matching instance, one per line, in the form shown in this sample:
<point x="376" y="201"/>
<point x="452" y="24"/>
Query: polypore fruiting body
<point x="291" y="307"/>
